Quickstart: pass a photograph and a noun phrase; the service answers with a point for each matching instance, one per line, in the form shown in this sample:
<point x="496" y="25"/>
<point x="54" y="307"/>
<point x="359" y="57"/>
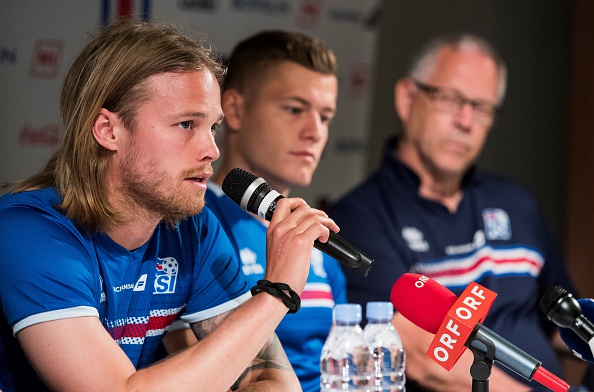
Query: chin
<point x="301" y="183"/>
<point x="301" y="177"/>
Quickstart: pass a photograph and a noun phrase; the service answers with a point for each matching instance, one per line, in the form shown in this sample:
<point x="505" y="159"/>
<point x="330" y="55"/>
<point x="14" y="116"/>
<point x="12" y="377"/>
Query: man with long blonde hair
<point x="109" y="243"/>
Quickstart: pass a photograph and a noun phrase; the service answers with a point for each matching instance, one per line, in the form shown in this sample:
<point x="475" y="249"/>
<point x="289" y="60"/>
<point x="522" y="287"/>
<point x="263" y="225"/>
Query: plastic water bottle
<point x="346" y="363"/>
<point x="386" y="348"/>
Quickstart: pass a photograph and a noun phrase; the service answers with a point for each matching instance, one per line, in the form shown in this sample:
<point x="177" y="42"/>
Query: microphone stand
<point x="483" y="362"/>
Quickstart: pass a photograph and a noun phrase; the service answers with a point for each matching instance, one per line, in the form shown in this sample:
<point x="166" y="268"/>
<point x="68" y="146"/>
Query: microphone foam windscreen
<point x="580" y="348"/>
<point x="422" y="300"/>
<point x="550" y="299"/>
<point x="236" y="183"/>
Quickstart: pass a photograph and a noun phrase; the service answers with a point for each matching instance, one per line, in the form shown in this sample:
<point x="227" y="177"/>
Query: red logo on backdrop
<point x="358" y="80"/>
<point x="45" y="136"/>
<point x="47" y="56"/>
<point x="309" y="13"/>
<point x="470" y="308"/>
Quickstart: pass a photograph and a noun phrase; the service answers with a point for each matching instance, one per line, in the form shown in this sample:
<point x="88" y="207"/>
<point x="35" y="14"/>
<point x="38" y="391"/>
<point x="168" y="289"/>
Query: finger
<point x="284" y="208"/>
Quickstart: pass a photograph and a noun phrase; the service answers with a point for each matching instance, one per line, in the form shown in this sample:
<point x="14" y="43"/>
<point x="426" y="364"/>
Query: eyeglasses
<point x="450" y="101"/>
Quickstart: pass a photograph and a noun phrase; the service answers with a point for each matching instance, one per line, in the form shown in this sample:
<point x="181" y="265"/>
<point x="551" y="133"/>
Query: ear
<point x="232" y="103"/>
<point x="403" y="96"/>
<point x="105" y="129"/>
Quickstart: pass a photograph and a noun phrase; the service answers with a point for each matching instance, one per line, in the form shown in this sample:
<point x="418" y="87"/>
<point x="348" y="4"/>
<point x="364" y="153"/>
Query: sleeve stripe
<point x="77" y="311"/>
<point x="222" y="308"/>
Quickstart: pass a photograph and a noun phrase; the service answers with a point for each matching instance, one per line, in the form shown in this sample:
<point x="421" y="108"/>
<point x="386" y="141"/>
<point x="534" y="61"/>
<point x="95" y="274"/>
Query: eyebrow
<point x="307" y="103"/>
<point x="197" y="114"/>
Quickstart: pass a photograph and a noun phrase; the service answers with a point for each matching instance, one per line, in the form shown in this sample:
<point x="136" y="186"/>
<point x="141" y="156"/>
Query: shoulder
<point x="499" y="186"/>
<point x="358" y="196"/>
<point x="35" y="213"/>
<point x="40" y="200"/>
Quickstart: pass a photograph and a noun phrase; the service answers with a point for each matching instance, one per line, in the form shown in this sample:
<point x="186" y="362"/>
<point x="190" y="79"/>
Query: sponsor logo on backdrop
<point x="8" y="55"/>
<point x="372" y="18"/>
<point x="268" y="7"/>
<point x="352" y="145"/>
<point x="199" y="5"/>
<point x="344" y="15"/>
<point x="359" y="80"/>
<point x="44" y="136"/>
<point x="47" y="56"/>
<point x="369" y="18"/>
<point x="308" y="14"/>
<point x="112" y="10"/>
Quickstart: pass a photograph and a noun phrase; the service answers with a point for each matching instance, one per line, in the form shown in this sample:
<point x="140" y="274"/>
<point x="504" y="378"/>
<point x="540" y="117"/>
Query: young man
<point x="106" y="246"/>
<point x="428" y="210"/>
<point x="280" y="96"/>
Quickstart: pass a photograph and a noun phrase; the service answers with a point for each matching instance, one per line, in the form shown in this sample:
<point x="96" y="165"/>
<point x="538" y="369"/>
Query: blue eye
<point x="185" y="124"/>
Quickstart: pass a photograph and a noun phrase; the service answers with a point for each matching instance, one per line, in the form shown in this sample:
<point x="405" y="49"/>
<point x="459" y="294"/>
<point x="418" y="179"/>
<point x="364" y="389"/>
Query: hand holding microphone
<point x="254" y="195"/>
<point x="456" y="323"/>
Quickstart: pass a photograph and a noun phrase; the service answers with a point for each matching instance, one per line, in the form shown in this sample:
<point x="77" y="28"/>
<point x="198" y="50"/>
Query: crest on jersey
<point x="497" y="224"/>
<point x="166" y="277"/>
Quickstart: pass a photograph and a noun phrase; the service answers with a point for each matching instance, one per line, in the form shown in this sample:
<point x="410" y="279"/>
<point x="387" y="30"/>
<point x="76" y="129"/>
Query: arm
<point x="271" y="363"/>
<point x="270" y="359"/>
<point x="179" y="339"/>
<point x="423" y="370"/>
<point x="77" y="353"/>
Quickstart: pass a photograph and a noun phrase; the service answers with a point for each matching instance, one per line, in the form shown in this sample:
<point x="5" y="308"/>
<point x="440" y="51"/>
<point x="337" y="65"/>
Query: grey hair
<point x="423" y="62"/>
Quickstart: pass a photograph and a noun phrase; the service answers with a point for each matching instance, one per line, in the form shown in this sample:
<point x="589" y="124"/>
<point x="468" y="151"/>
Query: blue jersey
<point x="496" y="238"/>
<point x="54" y="270"/>
<point x="302" y="334"/>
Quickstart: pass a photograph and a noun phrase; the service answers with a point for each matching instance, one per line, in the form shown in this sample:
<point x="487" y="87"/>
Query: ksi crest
<point x="497" y="224"/>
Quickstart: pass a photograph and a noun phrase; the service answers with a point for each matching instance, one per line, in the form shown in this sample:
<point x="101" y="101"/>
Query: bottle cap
<point x="348" y="313"/>
<point x="379" y="310"/>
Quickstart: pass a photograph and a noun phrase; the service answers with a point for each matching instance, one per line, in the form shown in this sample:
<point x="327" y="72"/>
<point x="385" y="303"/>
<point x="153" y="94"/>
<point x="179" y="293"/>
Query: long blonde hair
<point x="109" y="73"/>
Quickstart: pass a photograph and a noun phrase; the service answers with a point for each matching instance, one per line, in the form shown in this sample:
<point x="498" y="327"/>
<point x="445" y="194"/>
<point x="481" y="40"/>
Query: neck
<point x="136" y="225"/>
<point x="447" y="193"/>
<point x="131" y="235"/>
<point x="444" y="188"/>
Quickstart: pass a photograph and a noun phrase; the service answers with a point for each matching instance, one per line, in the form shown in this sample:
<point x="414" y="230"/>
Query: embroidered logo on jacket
<point x="414" y="239"/>
<point x="497" y="225"/>
<point x="166" y="276"/>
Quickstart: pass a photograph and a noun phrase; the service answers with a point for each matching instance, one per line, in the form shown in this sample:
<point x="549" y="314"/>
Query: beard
<point x="148" y="189"/>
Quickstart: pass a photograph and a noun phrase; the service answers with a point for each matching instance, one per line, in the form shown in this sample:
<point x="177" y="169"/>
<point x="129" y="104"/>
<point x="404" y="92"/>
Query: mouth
<point x="199" y="178"/>
<point x="305" y="155"/>
<point x="457" y="146"/>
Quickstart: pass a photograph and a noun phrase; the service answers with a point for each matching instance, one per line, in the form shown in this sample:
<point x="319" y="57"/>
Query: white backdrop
<point x="39" y="39"/>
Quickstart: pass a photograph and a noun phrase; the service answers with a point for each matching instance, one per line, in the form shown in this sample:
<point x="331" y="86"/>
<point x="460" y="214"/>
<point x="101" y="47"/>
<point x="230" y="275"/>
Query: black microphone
<point x="254" y="195"/>
<point x="568" y="313"/>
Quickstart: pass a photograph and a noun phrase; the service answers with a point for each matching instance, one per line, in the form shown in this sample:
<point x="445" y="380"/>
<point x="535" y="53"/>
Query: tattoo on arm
<point x="271" y="356"/>
<point x="203" y="328"/>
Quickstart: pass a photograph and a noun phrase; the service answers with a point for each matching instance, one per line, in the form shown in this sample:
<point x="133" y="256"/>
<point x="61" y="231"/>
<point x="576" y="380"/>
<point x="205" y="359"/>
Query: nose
<point x="464" y="117"/>
<point x="208" y="149"/>
<point x="314" y="128"/>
